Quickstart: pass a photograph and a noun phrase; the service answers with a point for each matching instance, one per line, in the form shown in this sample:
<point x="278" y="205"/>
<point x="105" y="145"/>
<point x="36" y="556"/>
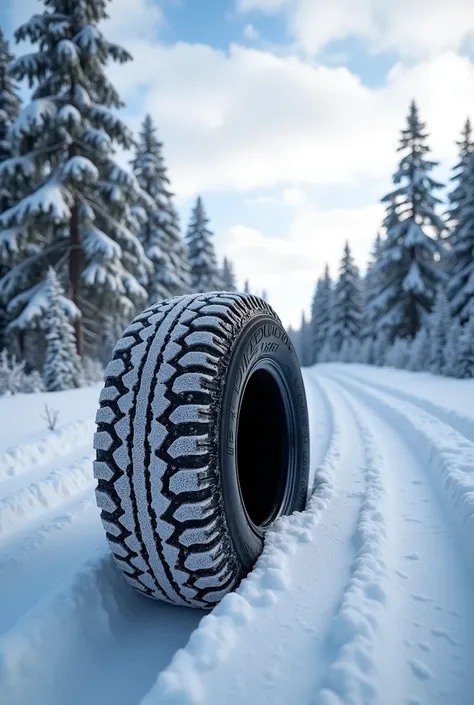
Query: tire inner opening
<point x="262" y="447"/>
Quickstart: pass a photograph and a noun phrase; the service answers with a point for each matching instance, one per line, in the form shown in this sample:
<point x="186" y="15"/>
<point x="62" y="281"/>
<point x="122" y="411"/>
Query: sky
<point x="285" y="115"/>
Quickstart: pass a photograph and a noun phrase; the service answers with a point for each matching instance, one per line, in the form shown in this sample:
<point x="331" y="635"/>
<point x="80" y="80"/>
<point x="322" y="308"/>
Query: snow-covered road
<point x="366" y="597"/>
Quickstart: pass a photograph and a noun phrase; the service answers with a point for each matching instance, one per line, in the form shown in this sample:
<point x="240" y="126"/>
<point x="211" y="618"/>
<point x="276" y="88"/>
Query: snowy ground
<point x="366" y="597"/>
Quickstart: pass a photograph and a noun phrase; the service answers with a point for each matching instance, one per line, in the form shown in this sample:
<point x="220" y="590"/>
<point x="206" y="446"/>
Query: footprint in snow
<point x="413" y="556"/>
<point x="420" y="669"/>
<point x="421" y="598"/>
<point x="401" y="574"/>
<point x="416" y="482"/>
<point x="425" y="647"/>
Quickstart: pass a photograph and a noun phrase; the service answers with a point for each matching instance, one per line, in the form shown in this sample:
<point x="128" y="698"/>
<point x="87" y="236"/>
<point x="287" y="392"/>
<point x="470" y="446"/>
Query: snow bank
<point x="213" y="641"/>
<point x="443" y="410"/>
<point x="441" y="448"/>
<point x="31" y="501"/>
<point x="26" y="457"/>
<point x="42" y="651"/>
<point x="350" y="677"/>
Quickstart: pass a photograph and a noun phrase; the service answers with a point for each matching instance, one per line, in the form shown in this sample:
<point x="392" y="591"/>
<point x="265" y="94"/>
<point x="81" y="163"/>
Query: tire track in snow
<point x="227" y="634"/>
<point x="29" y="457"/>
<point x="27" y="504"/>
<point x="448" y="455"/>
<point x="353" y="633"/>
<point x="425" y="650"/>
<point x="20" y="547"/>
<point x="464" y="425"/>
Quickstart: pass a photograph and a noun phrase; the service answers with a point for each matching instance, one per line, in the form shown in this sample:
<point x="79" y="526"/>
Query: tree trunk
<point x="75" y="257"/>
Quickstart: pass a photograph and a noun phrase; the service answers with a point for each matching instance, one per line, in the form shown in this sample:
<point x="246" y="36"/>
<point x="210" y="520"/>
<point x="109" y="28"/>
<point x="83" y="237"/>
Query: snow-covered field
<point x="366" y="597"/>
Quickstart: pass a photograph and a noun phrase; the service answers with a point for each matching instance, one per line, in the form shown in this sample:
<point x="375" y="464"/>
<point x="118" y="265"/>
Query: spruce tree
<point x="321" y="314"/>
<point x="452" y="349"/>
<point x="247" y="287"/>
<point x="410" y="256"/>
<point x="439" y="324"/>
<point x="458" y="179"/>
<point x="228" y="276"/>
<point x="461" y="243"/>
<point x="9" y="109"/>
<point x="202" y="257"/>
<point x="77" y="201"/>
<point x="373" y="290"/>
<point x="62" y="365"/>
<point x="466" y="351"/>
<point x="347" y="305"/>
<point x="398" y="354"/>
<point x="160" y="233"/>
<point x="420" y="350"/>
<point x="305" y="345"/>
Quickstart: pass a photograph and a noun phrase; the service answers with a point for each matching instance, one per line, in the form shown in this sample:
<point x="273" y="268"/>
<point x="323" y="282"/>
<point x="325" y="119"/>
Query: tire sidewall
<point x="262" y="340"/>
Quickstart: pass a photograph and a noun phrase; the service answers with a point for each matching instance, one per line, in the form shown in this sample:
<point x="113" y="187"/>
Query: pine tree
<point x="305" y="346"/>
<point x="228" y="276"/>
<point x="62" y="365"/>
<point x="398" y="354"/>
<point x="9" y="110"/>
<point x="321" y="314"/>
<point x="246" y="287"/>
<point x="409" y="256"/>
<point x="439" y="324"/>
<point x="347" y="304"/>
<point x="420" y="350"/>
<point x="461" y="243"/>
<point x="202" y="257"/>
<point x="452" y="349"/>
<point x="457" y="195"/>
<point x="373" y="289"/>
<point x="160" y="233"/>
<point x="466" y="351"/>
<point x="77" y="201"/>
<point x="379" y="348"/>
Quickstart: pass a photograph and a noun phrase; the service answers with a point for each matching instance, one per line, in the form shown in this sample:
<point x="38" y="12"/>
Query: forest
<point x="86" y="243"/>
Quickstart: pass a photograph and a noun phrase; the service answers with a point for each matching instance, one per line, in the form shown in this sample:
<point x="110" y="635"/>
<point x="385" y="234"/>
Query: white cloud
<point x="248" y="119"/>
<point x="250" y="33"/>
<point x="293" y="196"/>
<point x="409" y="27"/>
<point x="288" y="267"/>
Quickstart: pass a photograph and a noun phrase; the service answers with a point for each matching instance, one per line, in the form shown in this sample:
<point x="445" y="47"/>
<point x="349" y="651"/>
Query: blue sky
<point x="285" y="114"/>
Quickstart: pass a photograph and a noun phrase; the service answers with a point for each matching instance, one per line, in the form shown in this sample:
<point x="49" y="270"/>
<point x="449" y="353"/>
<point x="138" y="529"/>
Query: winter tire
<point x="202" y="443"/>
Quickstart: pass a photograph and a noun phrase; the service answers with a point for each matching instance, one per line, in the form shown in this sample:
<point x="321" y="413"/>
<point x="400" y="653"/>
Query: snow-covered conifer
<point x="160" y="233"/>
<point x="452" y="349"/>
<point x="321" y="314"/>
<point x="228" y="275"/>
<point x="9" y="110"/>
<point x="305" y="347"/>
<point x="420" y="350"/>
<point x="439" y="324"/>
<point x="398" y="353"/>
<point x="458" y="179"/>
<point x="466" y="351"/>
<point x="77" y="201"/>
<point x="62" y="365"/>
<point x="410" y="255"/>
<point x="246" y="287"/>
<point x="346" y="315"/>
<point x="202" y="257"/>
<point x="373" y="289"/>
<point x="379" y="348"/>
<point x="461" y="244"/>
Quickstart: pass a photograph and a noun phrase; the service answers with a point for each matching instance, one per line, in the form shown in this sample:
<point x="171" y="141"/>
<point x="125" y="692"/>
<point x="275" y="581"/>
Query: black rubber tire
<point x="202" y="443"/>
